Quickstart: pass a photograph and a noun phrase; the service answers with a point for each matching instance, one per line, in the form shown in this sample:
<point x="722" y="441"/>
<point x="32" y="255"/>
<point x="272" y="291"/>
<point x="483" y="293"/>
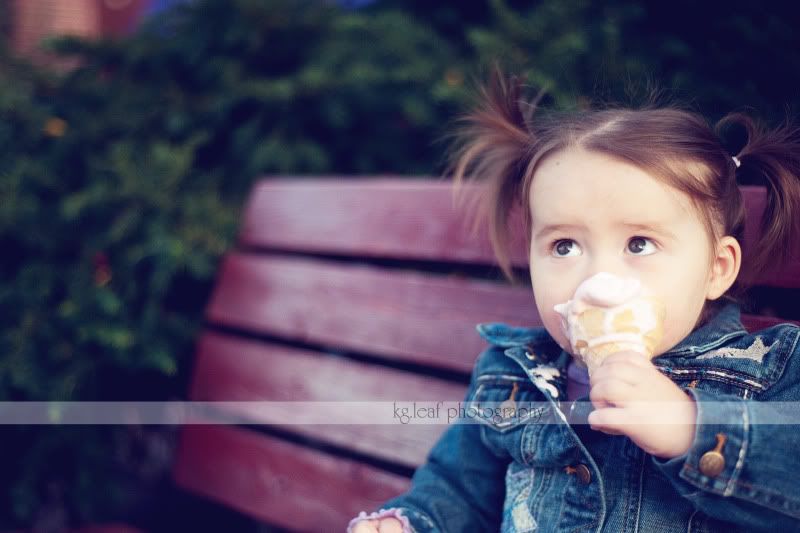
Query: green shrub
<point x="122" y="183"/>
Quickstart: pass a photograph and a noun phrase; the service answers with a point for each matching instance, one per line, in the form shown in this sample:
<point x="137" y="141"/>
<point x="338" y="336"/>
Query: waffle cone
<point x="594" y="357"/>
<point x="634" y="326"/>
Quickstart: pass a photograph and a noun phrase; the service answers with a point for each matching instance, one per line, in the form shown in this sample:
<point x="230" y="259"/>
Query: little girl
<point x="649" y="194"/>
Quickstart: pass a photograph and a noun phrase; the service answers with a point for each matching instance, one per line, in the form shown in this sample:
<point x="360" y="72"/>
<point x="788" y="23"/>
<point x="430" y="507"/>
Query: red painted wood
<point x="278" y="481"/>
<point x="756" y="322"/>
<point x="380" y="217"/>
<point x="398" y="314"/>
<point x="755" y="201"/>
<point x="397" y="217"/>
<point x="236" y="370"/>
<point x="121" y="17"/>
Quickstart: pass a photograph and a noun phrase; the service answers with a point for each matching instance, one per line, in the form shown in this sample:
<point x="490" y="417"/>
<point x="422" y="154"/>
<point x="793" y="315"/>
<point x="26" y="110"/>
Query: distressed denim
<point x="563" y="476"/>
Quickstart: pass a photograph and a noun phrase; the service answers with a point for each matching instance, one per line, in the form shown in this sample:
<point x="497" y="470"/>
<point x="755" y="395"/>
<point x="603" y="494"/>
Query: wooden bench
<point x="353" y="289"/>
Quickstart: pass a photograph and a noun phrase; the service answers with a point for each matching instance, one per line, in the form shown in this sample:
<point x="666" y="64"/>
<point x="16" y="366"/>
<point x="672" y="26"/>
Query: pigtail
<point x="771" y="157"/>
<point x="492" y="146"/>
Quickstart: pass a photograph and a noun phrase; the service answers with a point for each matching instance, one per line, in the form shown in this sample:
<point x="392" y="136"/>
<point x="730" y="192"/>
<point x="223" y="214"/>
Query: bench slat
<point x="757" y="322"/>
<point x="376" y="217"/>
<point x="755" y="200"/>
<point x="236" y="370"/>
<point x="400" y="315"/>
<point x="396" y="217"/>
<point x="277" y="481"/>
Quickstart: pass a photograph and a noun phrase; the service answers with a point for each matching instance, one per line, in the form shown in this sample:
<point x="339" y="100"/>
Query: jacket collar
<point x="722" y="327"/>
<point x="534" y="348"/>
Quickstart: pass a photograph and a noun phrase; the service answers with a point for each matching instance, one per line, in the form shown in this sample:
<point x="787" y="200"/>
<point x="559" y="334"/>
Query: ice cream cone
<point x="609" y="315"/>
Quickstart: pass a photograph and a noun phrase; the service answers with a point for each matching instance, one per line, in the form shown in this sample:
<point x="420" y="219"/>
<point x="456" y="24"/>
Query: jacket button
<point x="583" y="472"/>
<point x="713" y="462"/>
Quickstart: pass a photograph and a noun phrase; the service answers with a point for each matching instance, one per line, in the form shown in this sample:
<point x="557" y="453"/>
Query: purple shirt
<point x="577" y="381"/>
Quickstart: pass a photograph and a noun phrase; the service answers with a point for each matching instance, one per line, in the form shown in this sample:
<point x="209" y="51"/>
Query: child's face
<point x="604" y="200"/>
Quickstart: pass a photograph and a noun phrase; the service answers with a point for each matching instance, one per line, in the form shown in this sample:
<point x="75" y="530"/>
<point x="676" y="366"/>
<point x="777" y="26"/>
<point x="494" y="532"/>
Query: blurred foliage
<point x="122" y="180"/>
<point x="717" y="55"/>
<point x="5" y="25"/>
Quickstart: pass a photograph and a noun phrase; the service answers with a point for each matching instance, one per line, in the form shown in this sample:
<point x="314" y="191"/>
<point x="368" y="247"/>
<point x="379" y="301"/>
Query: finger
<point x="600" y="404"/>
<point x="610" y="391"/>
<point x="630" y="356"/>
<point x="607" y="431"/>
<point x="620" y="369"/>
<point x="611" y="420"/>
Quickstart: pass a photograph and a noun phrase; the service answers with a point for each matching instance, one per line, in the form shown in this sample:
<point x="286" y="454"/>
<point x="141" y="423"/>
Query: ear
<point x="725" y="268"/>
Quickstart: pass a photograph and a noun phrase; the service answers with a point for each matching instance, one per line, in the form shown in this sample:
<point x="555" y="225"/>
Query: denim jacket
<point x="512" y="476"/>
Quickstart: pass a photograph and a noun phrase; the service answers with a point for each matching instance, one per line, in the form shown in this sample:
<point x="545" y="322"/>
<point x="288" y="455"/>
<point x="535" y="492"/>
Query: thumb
<point x="610" y="420"/>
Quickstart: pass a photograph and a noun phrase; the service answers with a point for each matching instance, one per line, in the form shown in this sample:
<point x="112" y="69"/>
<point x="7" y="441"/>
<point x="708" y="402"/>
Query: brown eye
<point x="639" y="244"/>
<point x="563" y="247"/>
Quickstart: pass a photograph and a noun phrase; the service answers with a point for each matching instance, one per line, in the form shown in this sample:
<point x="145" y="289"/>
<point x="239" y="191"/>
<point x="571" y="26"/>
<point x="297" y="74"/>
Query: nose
<point x="605" y="262"/>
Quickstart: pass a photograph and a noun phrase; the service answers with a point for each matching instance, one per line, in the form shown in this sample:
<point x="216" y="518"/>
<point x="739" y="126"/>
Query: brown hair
<point x="501" y="141"/>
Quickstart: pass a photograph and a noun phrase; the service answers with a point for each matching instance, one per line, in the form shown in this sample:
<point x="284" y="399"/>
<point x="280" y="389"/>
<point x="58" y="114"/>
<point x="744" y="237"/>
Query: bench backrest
<point x="348" y="289"/>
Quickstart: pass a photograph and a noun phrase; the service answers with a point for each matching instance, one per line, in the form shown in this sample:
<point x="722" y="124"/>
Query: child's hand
<point x="384" y="525"/>
<point x="621" y="388"/>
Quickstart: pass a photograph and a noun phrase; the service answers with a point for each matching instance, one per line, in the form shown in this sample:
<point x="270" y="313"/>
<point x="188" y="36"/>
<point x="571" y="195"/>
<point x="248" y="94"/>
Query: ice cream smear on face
<point x="609" y="314"/>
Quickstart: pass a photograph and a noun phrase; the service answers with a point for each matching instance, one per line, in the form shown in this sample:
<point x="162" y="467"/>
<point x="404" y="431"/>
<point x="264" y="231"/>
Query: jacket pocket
<point x="720" y="382"/>
<point x="504" y="402"/>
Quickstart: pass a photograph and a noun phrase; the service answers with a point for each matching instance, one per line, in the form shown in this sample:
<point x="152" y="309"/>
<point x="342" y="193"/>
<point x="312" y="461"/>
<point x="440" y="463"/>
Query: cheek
<point x="682" y="314"/>
<point x="551" y="320"/>
<point x="557" y="334"/>
<point x="548" y="292"/>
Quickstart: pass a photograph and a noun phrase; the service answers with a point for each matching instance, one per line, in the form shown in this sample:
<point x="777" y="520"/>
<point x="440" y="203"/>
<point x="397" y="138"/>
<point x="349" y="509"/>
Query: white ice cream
<point x="614" y="296"/>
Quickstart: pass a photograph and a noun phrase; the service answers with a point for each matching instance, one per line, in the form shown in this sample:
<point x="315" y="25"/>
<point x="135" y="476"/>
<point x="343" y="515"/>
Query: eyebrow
<point x="654" y="228"/>
<point x="552" y="228"/>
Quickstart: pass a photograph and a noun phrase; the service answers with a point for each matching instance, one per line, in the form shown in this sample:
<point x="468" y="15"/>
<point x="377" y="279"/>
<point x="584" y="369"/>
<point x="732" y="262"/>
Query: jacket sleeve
<point x="757" y="487"/>
<point x="461" y="485"/>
